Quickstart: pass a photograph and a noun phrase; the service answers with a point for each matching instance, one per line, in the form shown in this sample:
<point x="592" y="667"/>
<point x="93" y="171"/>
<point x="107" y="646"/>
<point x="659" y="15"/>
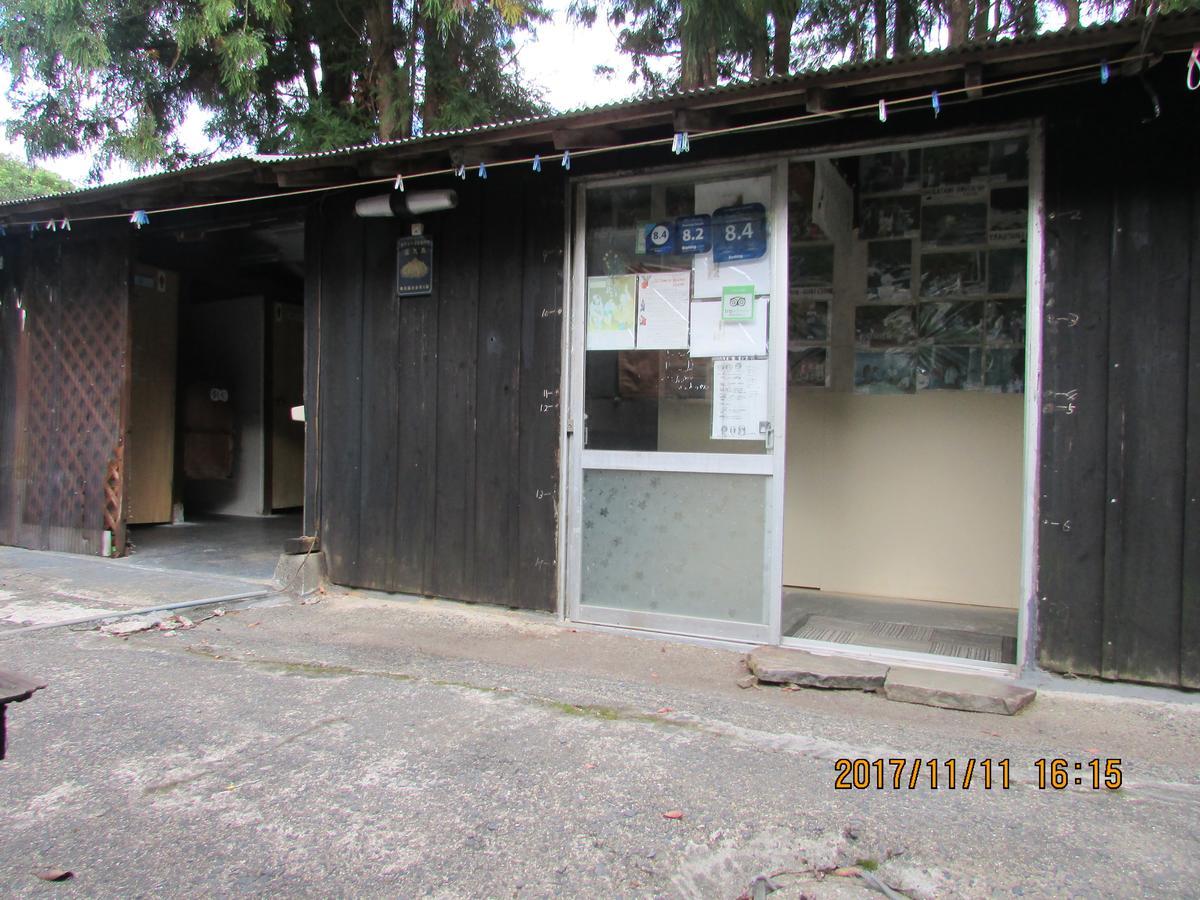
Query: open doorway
<point x="905" y="423"/>
<point x="214" y="455"/>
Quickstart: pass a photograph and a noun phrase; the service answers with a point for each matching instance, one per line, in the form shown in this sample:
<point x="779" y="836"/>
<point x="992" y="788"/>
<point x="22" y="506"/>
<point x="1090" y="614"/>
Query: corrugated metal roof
<point x="1130" y="27"/>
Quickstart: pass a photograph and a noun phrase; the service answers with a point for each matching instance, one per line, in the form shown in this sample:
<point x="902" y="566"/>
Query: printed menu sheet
<point x="662" y="310"/>
<point x="739" y="399"/>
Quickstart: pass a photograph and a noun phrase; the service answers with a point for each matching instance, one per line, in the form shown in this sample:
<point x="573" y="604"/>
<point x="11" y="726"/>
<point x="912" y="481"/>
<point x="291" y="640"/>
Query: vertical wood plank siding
<point x="436" y="442"/>
<point x="64" y="346"/>
<point x="1120" y="530"/>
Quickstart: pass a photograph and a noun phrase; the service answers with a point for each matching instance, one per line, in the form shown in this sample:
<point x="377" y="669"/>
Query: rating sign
<point x="694" y="233"/>
<point x="739" y="232"/>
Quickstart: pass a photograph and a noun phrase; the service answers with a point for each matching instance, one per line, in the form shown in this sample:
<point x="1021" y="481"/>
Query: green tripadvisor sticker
<point x="737" y="303"/>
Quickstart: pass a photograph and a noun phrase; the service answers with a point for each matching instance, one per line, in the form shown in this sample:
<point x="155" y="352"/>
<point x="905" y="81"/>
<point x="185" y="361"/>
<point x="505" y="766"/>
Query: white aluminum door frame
<point x="769" y="465"/>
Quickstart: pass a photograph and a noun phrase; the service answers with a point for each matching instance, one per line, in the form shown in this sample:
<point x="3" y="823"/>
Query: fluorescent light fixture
<point x="405" y="205"/>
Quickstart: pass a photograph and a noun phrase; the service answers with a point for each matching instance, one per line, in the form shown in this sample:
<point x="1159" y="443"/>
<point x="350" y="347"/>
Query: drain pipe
<point x="126" y="614"/>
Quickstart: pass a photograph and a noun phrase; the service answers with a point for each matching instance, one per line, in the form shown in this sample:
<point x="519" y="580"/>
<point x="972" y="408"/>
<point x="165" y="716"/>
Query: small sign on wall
<point x="414" y="266"/>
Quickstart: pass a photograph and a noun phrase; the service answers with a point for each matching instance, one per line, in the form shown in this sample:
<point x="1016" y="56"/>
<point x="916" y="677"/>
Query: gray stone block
<point x="781" y="665"/>
<point x="952" y="690"/>
<point x="301" y="574"/>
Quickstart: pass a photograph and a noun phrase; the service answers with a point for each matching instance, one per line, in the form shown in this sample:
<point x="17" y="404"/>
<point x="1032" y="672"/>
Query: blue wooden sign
<point x="694" y="234"/>
<point x="739" y="232"/>
<point x="660" y="238"/>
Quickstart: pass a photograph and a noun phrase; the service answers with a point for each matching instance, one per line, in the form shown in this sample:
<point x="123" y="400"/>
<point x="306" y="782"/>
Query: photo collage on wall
<point x="810" y="284"/>
<point x="944" y="307"/>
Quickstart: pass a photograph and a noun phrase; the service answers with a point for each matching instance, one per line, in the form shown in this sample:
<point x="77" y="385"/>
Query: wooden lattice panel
<point x="75" y="340"/>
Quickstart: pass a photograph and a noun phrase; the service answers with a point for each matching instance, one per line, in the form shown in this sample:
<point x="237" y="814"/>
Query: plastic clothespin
<point x="681" y="144"/>
<point x="139" y="218"/>
<point x="882" y="111"/>
<point x="482" y="171"/>
<point x="1193" y="69"/>
<point x="65" y="224"/>
<point x="33" y="228"/>
<point x="566" y="160"/>
<point x="3" y="230"/>
<point x="537" y="162"/>
<point x="52" y="225"/>
<point x="461" y="171"/>
<point x="399" y="185"/>
<point x="1104" y="71"/>
<point x="936" y="102"/>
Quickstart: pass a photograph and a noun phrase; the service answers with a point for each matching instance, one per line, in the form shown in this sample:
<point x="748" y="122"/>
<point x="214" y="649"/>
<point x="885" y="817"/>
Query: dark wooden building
<point x="974" y="409"/>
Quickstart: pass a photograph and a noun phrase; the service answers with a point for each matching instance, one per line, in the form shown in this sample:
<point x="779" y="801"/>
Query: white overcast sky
<point x="561" y="61"/>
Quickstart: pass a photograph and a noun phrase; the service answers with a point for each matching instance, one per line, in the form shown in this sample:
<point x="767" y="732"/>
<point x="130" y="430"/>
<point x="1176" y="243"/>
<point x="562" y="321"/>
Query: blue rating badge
<point x="739" y="232"/>
<point x="660" y="238"/>
<point x="694" y="234"/>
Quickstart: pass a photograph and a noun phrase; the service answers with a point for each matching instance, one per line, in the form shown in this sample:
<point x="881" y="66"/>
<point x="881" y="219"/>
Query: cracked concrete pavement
<point x="369" y="746"/>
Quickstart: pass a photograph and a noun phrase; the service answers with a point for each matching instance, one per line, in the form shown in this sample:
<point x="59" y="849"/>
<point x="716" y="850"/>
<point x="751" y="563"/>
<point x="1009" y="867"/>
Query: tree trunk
<point x="382" y="73"/>
<point x="881" y="20"/>
<point x="980" y="28"/>
<point x="1071" y="9"/>
<point x="958" y="20"/>
<point x="783" y="15"/>
<point x="902" y="31"/>
<point x="760" y="51"/>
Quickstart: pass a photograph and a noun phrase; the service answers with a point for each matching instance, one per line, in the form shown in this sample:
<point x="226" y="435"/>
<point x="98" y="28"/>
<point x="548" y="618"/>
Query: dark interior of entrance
<point x="906" y="367"/>
<point x="214" y="452"/>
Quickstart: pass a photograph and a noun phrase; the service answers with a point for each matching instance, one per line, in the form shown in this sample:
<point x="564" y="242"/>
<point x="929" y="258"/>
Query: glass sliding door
<point x="677" y="376"/>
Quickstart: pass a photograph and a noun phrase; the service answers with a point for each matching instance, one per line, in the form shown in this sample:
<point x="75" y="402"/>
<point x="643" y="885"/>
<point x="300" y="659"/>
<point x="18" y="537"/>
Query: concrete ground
<point x="381" y="747"/>
<point x="224" y="546"/>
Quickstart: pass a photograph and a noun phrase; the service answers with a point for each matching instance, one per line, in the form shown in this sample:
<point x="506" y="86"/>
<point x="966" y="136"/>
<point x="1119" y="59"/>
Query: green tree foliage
<point x="19" y="180"/>
<point x="118" y="77"/>
<point x="697" y="43"/>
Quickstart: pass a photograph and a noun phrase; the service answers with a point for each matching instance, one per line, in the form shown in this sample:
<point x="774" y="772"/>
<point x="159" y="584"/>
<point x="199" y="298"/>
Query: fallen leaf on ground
<point x="54" y="874"/>
<point x="673" y="814"/>
<point x="663" y="710"/>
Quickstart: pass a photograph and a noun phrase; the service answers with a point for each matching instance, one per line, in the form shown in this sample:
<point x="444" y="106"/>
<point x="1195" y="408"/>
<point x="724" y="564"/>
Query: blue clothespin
<point x="482" y="171"/>
<point x="566" y="159"/>
<point x="882" y="111"/>
<point x="937" y="104"/>
<point x="3" y="231"/>
<point x="537" y="162"/>
<point x="139" y="218"/>
<point x="399" y="185"/>
<point x="681" y="144"/>
<point x="1104" y="71"/>
<point x="32" y="228"/>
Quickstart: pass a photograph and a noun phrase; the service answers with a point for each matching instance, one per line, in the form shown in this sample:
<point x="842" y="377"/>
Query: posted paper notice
<point x="739" y="399"/>
<point x="663" y="300"/>
<point x="612" y="312"/>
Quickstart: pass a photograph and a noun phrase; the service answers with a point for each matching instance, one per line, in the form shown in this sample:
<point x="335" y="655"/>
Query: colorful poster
<point x="739" y="400"/>
<point x="612" y="312"/>
<point x="713" y="337"/>
<point x="662" y="319"/>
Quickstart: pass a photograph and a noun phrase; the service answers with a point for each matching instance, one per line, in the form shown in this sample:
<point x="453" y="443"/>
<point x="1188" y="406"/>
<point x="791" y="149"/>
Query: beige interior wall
<point x="915" y="496"/>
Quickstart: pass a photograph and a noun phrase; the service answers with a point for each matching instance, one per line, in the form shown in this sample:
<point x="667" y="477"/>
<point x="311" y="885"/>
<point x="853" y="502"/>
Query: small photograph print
<point x="954" y="164"/>
<point x="1004" y="371"/>
<point x="808" y="320"/>
<point x="883" y="172"/>
<point x="801" y="227"/>
<point x="808" y="367"/>
<point x="889" y="271"/>
<point x="883" y="326"/>
<point x="890" y="217"/>
<point x="810" y="270"/>
<point x="1010" y="159"/>
<point x="1004" y="323"/>
<point x="1009" y="214"/>
<point x="1006" y="271"/>
<point x="948" y="369"/>
<point x="954" y="224"/>
<point x="950" y="323"/>
<point x="883" y="372"/>
<point x="952" y="274"/>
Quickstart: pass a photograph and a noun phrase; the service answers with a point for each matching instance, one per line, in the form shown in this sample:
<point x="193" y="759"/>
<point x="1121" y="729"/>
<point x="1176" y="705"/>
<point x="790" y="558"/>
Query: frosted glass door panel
<point x="677" y="543"/>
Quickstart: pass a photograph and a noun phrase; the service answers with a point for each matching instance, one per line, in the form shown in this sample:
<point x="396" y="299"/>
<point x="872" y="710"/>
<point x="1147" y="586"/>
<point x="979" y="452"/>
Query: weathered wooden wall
<point x="433" y="466"/>
<point x="1119" y="573"/>
<point x="64" y="348"/>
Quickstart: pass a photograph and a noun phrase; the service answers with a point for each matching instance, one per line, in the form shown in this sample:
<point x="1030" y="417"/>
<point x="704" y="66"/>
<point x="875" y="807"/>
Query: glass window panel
<point x="644" y="390"/>
<point x="681" y="543"/>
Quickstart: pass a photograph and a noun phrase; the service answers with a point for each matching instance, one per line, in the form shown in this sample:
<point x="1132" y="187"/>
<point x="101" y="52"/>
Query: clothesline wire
<point x="1026" y="83"/>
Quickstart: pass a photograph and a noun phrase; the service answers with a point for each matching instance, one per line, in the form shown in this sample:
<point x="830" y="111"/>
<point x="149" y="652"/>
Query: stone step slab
<point x="780" y="665"/>
<point x="952" y="690"/>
